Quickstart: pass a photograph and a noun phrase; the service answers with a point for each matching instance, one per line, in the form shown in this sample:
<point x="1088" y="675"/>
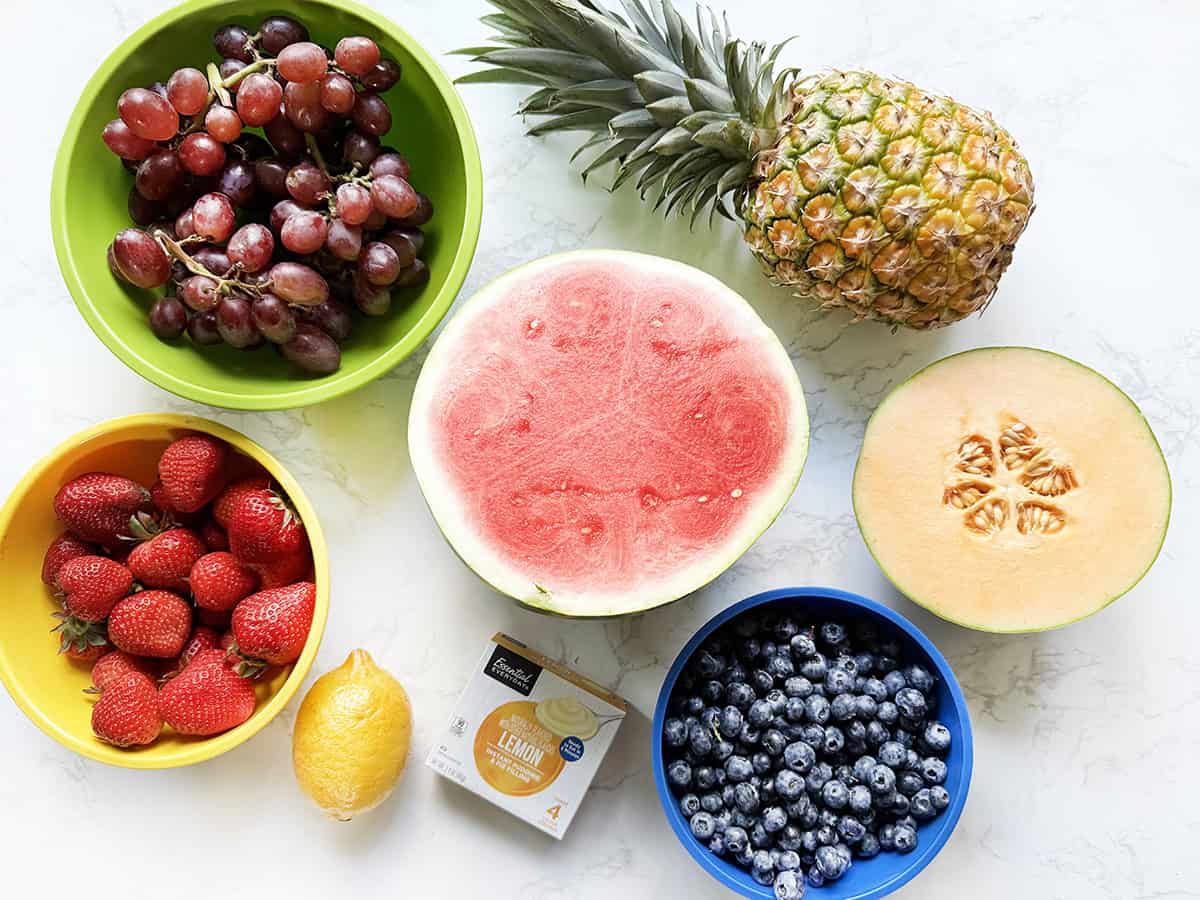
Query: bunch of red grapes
<point x="271" y="237"/>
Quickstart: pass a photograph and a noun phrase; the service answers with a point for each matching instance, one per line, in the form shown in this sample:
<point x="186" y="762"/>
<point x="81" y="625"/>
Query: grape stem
<point x="236" y="284"/>
<point x="351" y="177"/>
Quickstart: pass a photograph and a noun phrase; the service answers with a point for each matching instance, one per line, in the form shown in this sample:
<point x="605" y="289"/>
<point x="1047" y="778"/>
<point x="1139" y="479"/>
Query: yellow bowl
<point x="48" y="687"/>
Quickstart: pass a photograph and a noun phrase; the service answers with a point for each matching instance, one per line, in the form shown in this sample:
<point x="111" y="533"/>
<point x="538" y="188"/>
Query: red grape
<point x="422" y="214"/>
<point x="390" y="163"/>
<point x="357" y="55"/>
<point x="353" y="203"/>
<point x="213" y="217"/>
<point x="183" y="225"/>
<point x="280" y="213"/>
<point x="415" y="275"/>
<point x="253" y="146"/>
<point x="359" y="148"/>
<point x="304" y="232"/>
<point x="404" y="245"/>
<point x="278" y="32"/>
<point x="307" y="183"/>
<point x="371" y="114"/>
<point x="344" y="241"/>
<point x="201" y="154"/>
<point x="393" y="196"/>
<point x="258" y="99"/>
<point x="302" y="106"/>
<point x="228" y="68"/>
<point x="286" y="138"/>
<point x="168" y="318"/>
<point x="302" y="62"/>
<point x="223" y="123"/>
<point x="297" y="283"/>
<point x="371" y="300"/>
<point x="236" y="182"/>
<point x="143" y="211"/>
<point x="232" y="41"/>
<point x="187" y="91"/>
<point x="159" y="175"/>
<point x="252" y="245"/>
<point x="202" y="329"/>
<point x="199" y="292"/>
<point x="375" y="221"/>
<point x="148" y="115"/>
<point x="332" y="317"/>
<point x="337" y="93"/>
<point x="140" y="259"/>
<point x="312" y="350"/>
<point x="214" y="259"/>
<point x="235" y="322"/>
<point x="379" y="264"/>
<point x="121" y="140"/>
<point x="382" y="77"/>
<point x="274" y="319"/>
<point x="271" y="175"/>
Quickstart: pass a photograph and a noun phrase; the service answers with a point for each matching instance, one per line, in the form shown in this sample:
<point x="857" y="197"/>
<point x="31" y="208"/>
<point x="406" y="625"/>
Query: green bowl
<point x="90" y="189"/>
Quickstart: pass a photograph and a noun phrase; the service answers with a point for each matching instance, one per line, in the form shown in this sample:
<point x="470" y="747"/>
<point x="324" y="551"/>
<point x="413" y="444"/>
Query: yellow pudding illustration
<point x="516" y="754"/>
<point x="567" y="717"/>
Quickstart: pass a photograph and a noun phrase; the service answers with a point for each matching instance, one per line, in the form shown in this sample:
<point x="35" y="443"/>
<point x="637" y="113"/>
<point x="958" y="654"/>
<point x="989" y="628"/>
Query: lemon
<point x="351" y="738"/>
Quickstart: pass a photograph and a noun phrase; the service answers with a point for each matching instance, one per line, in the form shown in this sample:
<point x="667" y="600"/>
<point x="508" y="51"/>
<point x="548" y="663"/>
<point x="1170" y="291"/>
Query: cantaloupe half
<point x="600" y="432"/>
<point x="1010" y="489"/>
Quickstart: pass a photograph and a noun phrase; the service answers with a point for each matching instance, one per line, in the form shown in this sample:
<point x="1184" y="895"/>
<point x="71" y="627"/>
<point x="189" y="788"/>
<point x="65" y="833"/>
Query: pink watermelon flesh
<point x="604" y="430"/>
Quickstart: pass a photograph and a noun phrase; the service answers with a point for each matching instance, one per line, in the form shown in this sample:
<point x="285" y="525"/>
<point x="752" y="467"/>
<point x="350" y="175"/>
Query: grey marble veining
<point x="1086" y="783"/>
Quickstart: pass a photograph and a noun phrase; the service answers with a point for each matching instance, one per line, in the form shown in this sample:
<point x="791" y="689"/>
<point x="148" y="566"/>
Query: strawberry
<point x="227" y="642"/>
<point x="272" y="626"/>
<point x="166" y="560"/>
<point x="207" y="697"/>
<point x="214" y="535"/>
<point x="86" y="646"/>
<point x="219" y="581"/>
<point x="114" y="665"/>
<point x="92" y="586"/>
<point x="229" y="498"/>
<point x="192" y="470"/>
<point x="63" y="549"/>
<point x="152" y="623"/>
<point x="284" y="571"/>
<point x="101" y="508"/>
<point x="213" y="619"/>
<point x="126" y="715"/>
<point x="171" y="515"/>
<point x="203" y="638"/>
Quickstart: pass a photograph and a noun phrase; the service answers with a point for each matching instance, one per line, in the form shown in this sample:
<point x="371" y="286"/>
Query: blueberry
<point x="789" y="838"/>
<point x="933" y="770"/>
<point x="876" y="733"/>
<point x="826" y="836"/>
<point x="773" y="742"/>
<point x="937" y="738"/>
<point x="759" y="839"/>
<point x="860" y="798"/>
<point x="742" y="820"/>
<point x="831" y="864"/>
<point x="856" y="732"/>
<point x="905" y="839"/>
<point x="835" y="794"/>
<point x="919" y="677"/>
<point x="802" y="645"/>
<point x="832" y="633"/>
<point x="746" y="798"/>
<point x="788" y="885"/>
<point x="885" y="664"/>
<point x="894" y="682"/>
<point x="736" y="839"/>
<point x="903" y="737"/>
<point x="766" y="879"/>
<point x="845" y="774"/>
<point x="907" y="822"/>
<point x="674" y="733"/>
<point x="736" y="673"/>
<point x="921" y="806"/>
<point x="809" y="842"/>
<point x="781" y="666"/>
<point x="794" y="710"/>
<point x="816" y="709"/>
<point x="738" y="768"/>
<point x="710" y="718"/>
<point x="712" y="803"/>
<point x="809" y="819"/>
<point x="749" y="649"/>
<point x="689" y="805"/>
<point x="842" y="708"/>
<point x="679" y="773"/>
<point x="892" y="754"/>
<point x="848" y="664"/>
<point x="911" y="703"/>
<point x="773" y="819"/>
<point x="778" y="701"/>
<point x="716" y="844"/>
<point x="814" y="667"/>
<point x="817" y="776"/>
<point x="789" y="785"/>
<point x="705" y="777"/>
<point x="838" y="681"/>
<point x="693" y="706"/>
<point x="815" y="878"/>
<point x="862" y="768"/>
<point x="900" y="804"/>
<point x="797" y="807"/>
<point x="939" y="797"/>
<point x="908" y="783"/>
<point x="722" y="750"/>
<point x="865" y="707"/>
<point x="888" y="713"/>
<point x="835" y="741"/>
<point x="700" y="739"/>
<point x="798" y="686"/>
<point x="916" y="726"/>
<point x="760" y="713"/>
<point x="762" y="763"/>
<point x="727" y="794"/>
<point x="865" y="663"/>
<point x="749" y="734"/>
<point x="875" y="689"/>
<point x="702" y="825"/>
<point x="813" y="735"/>
<point x="762" y="862"/>
<point x="867" y="848"/>
<point x="712" y="691"/>
<point x="740" y="694"/>
<point x="787" y="861"/>
<point x="743" y="858"/>
<point x="887" y="837"/>
<point x="769" y="649"/>
<point x="851" y="830"/>
<point x="709" y="665"/>
<point x="761" y="681"/>
<point x="785" y="629"/>
<point x="882" y="779"/>
<point x="829" y="817"/>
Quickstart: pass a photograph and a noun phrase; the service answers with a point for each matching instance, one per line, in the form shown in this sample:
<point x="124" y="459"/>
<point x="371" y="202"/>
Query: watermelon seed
<point x="735" y="493"/>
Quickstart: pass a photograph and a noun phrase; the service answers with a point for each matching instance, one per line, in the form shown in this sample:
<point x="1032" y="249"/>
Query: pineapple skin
<point x="897" y="204"/>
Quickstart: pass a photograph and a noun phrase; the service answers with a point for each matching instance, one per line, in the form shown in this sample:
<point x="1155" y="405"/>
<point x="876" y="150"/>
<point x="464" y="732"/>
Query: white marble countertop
<point x="1086" y="784"/>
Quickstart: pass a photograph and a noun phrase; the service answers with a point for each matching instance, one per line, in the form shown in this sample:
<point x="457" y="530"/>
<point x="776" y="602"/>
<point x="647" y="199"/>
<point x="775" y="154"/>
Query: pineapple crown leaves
<point x="681" y="110"/>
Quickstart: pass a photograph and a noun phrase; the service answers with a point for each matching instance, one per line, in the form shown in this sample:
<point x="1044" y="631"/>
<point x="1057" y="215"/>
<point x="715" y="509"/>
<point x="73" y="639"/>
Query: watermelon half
<point x="600" y="432"/>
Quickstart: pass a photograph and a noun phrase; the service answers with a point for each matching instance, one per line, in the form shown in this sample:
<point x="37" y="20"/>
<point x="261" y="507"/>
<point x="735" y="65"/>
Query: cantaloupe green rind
<point x="873" y="543"/>
<point x="543" y="597"/>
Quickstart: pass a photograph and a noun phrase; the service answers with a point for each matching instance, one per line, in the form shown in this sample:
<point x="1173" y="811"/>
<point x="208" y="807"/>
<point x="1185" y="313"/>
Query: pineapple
<point x="856" y="190"/>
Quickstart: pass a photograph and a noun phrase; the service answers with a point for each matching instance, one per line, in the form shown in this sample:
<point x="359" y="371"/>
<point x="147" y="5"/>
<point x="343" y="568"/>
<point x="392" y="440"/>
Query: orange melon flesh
<point x="1010" y="489"/>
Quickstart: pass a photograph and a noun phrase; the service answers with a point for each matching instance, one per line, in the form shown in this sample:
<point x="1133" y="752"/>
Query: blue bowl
<point x="866" y="879"/>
